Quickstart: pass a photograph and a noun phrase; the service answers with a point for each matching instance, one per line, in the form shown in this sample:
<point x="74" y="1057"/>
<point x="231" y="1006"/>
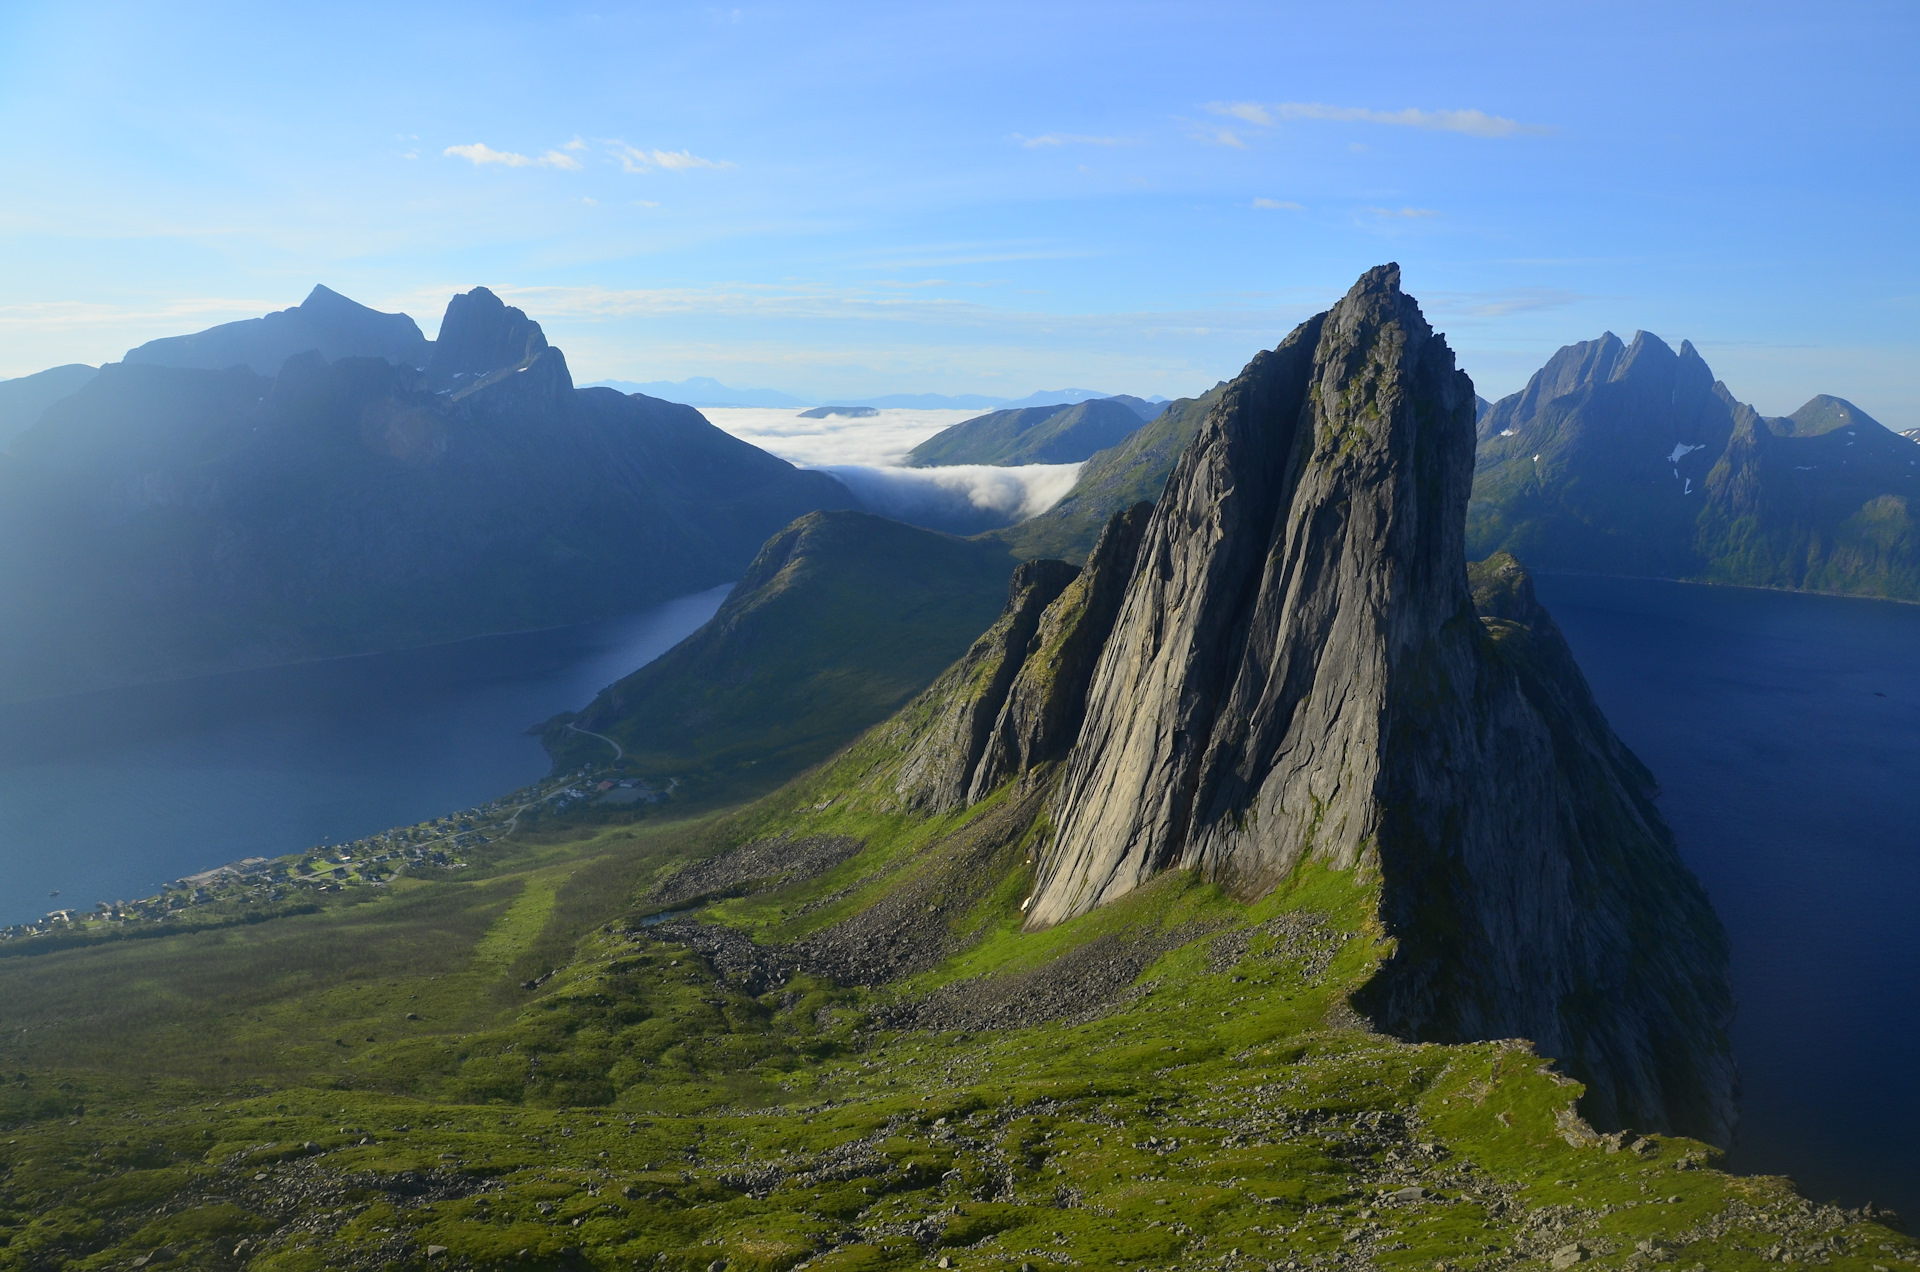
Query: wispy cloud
<point x="1251" y="112"/>
<point x="1068" y="139"/>
<point x="1474" y="123"/>
<point x="636" y="159"/>
<point x="1403" y="212"/>
<point x="479" y="154"/>
<point x="1278" y="205"/>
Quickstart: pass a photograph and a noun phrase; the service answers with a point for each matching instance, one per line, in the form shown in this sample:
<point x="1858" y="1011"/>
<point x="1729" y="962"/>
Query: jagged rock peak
<point x="947" y="728"/>
<point x="1048" y="697"/>
<point x="479" y="336"/>
<point x="1297" y="671"/>
<point x="1309" y="535"/>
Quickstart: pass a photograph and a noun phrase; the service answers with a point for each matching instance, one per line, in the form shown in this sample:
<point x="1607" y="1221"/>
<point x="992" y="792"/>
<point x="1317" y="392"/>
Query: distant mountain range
<point x="1632" y="459"/>
<point x="167" y="519"/>
<point x="703" y="391"/>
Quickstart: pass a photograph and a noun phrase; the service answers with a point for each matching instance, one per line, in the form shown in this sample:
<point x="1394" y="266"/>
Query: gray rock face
<point x="1048" y="697"/>
<point x="954" y="718"/>
<point x="1298" y="671"/>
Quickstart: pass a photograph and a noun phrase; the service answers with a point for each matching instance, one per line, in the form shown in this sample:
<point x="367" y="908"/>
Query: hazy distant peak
<point x="479" y="335"/>
<point x="326" y="321"/>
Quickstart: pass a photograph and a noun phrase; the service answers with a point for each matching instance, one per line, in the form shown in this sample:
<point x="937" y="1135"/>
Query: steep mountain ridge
<point x="1297" y="672"/>
<point x="325" y="321"/>
<point x="23" y="398"/>
<point x="1619" y="459"/>
<point x="166" y="521"/>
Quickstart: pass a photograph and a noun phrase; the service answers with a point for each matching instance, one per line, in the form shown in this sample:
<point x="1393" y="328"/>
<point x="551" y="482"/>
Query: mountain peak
<point x="479" y="335"/>
<point x="1297" y="673"/>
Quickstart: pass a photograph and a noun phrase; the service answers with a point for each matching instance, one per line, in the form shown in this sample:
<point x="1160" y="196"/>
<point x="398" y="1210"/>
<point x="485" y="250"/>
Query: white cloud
<point x="1252" y="112"/>
<point x="1278" y="205"/>
<point x="635" y="159"/>
<point x="578" y="143"/>
<point x="479" y="153"/>
<point x="1068" y="139"/>
<point x="877" y="441"/>
<point x="1227" y="137"/>
<point x="1403" y="212"/>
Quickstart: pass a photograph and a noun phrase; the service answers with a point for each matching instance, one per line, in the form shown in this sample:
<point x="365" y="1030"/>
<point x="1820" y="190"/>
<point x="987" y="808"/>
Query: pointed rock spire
<point x="1297" y="671"/>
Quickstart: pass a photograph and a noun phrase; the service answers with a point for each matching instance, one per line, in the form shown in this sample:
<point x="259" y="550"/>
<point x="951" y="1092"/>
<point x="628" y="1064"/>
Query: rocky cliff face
<point x="1048" y="695"/>
<point x="1298" y="670"/>
<point x="965" y="701"/>
<point x="1015" y="701"/>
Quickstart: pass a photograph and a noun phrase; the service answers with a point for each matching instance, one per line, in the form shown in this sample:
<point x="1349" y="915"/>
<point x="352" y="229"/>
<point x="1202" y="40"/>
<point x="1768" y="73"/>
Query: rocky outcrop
<point x="1048" y="696"/>
<point x="955" y="717"/>
<point x="1298" y="671"/>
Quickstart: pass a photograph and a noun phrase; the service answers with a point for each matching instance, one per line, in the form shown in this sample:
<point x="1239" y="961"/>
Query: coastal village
<point x="258" y="887"/>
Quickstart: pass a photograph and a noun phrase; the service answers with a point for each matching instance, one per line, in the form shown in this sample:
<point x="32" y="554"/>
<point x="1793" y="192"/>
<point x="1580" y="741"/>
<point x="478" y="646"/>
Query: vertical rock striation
<point x="1048" y="696"/>
<point x="956" y="715"/>
<point x="1297" y="670"/>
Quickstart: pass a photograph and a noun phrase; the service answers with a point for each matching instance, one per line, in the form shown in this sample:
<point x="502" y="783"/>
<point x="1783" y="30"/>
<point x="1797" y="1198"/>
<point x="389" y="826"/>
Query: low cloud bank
<point x="865" y="454"/>
<point x="960" y="499"/>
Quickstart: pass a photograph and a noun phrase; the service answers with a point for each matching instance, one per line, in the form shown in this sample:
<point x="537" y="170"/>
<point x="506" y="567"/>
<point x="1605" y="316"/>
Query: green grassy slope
<point x="1174" y="1081"/>
<point x="840" y="619"/>
<point x="1035" y="435"/>
<point x="1114" y="479"/>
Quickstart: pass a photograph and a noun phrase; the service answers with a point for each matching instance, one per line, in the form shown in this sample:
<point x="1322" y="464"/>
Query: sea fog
<point x="867" y="453"/>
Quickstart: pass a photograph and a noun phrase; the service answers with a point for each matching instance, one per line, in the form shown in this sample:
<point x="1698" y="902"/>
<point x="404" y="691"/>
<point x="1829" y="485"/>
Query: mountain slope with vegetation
<point x="840" y="618"/>
<point x="1632" y="459"/>
<point x="1035" y="435"/>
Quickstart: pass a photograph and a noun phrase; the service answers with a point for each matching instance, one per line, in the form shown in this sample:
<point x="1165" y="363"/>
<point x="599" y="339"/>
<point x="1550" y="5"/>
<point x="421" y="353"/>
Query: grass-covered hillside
<point x="855" y="1060"/>
<point x="840" y="619"/>
<point x="1033" y="435"/>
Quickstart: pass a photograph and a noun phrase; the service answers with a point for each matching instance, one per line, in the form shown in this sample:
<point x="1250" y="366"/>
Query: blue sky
<point x="846" y="200"/>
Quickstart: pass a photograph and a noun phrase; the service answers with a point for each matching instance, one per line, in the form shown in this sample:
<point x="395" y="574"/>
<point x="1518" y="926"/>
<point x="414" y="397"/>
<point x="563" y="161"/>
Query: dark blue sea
<point x="1785" y="731"/>
<point x="108" y="795"/>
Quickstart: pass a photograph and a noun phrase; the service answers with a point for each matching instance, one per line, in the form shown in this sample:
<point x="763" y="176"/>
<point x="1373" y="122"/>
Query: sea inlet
<point x="106" y="796"/>
<point x="1785" y="732"/>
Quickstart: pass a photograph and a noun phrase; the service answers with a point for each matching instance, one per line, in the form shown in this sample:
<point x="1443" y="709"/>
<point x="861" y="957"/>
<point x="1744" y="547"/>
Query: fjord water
<point x="108" y="795"/>
<point x="1785" y="732"/>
